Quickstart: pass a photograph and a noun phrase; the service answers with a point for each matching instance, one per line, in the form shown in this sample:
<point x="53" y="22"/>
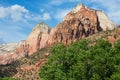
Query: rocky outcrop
<point x="105" y="22"/>
<point x="36" y="40"/>
<point x="79" y="23"/>
<point x="8" y="48"/>
<point x="6" y="51"/>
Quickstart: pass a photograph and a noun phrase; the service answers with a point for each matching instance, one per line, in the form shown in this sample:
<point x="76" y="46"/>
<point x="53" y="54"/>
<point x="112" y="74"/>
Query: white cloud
<point x="60" y="14"/>
<point x="14" y="12"/>
<point x="3" y="11"/>
<point x="18" y="13"/>
<point x="46" y="16"/>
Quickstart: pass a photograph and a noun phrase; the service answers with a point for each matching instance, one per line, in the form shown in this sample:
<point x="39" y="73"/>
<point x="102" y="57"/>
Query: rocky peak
<point x="81" y="22"/>
<point x="78" y="7"/>
<point x="36" y="40"/>
<point x="42" y="27"/>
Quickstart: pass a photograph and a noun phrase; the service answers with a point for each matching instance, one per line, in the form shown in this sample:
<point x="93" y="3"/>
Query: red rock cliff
<point x="79" y="23"/>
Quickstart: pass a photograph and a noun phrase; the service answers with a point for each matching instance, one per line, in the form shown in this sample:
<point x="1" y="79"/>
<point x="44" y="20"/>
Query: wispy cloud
<point x="12" y="33"/>
<point x="44" y="16"/>
<point x="1" y="40"/>
<point x="61" y="13"/>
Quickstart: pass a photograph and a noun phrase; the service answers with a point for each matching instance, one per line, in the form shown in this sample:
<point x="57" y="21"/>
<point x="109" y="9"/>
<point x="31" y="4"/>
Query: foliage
<point x="7" y="78"/>
<point x="80" y="61"/>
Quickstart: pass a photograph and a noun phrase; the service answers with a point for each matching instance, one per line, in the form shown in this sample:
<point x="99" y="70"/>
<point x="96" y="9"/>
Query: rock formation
<point x="105" y="22"/>
<point x="35" y="41"/>
<point x="8" y="48"/>
<point x="79" y="23"/>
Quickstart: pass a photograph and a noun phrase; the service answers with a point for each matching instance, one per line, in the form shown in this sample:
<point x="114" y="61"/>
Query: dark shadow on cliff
<point x="9" y="69"/>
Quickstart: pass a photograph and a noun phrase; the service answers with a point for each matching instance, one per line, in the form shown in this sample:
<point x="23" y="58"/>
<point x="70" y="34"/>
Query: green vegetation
<point x="81" y="61"/>
<point x="8" y="78"/>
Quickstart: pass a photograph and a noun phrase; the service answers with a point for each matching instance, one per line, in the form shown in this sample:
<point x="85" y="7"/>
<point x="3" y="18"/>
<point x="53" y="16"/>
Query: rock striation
<point x="36" y="40"/>
<point x="79" y="23"/>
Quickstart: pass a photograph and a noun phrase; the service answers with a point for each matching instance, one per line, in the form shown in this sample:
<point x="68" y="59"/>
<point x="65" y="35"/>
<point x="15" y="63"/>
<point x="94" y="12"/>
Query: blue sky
<point x="18" y="17"/>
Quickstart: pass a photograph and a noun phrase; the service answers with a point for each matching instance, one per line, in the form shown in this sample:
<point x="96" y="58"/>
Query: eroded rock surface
<point x="36" y="40"/>
<point x="105" y="22"/>
<point x="79" y="23"/>
<point x="8" y="48"/>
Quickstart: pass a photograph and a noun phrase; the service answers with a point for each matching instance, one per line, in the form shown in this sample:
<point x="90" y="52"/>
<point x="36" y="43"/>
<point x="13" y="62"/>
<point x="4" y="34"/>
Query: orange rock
<point x="75" y="26"/>
<point x="79" y="23"/>
<point x="36" y="40"/>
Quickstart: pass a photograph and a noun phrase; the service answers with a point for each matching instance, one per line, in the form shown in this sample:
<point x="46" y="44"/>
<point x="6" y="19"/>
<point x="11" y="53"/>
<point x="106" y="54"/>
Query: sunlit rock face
<point x="105" y="22"/>
<point x="36" y="40"/>
<point x="79" y="23"/>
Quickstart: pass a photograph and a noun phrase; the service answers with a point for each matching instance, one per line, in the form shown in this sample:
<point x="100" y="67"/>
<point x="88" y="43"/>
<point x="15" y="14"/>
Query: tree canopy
<point x="81" y="61"/>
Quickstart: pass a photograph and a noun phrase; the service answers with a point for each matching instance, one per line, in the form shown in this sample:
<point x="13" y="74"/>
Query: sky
<point x="19" y="17"/>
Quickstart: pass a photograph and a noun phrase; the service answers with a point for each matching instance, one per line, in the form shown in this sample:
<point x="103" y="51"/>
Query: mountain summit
<point x="78" y="7"/>
<point x="79" y="23"/>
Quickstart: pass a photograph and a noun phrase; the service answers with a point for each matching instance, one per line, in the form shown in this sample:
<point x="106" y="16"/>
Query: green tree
<point x="80" y="61"/>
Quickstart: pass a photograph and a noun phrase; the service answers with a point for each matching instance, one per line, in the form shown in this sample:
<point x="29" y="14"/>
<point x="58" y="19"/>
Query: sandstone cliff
<point x="35" y="41"/>
<point x="105" y="22"/>
<point x="79" y="23"/>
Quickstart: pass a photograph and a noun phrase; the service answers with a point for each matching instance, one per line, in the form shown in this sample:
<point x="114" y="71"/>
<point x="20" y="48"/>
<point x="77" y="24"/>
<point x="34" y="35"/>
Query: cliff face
<point x="81" y="22"/>
<point x="36" y="40"/>
<point x="105" y="22"/>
